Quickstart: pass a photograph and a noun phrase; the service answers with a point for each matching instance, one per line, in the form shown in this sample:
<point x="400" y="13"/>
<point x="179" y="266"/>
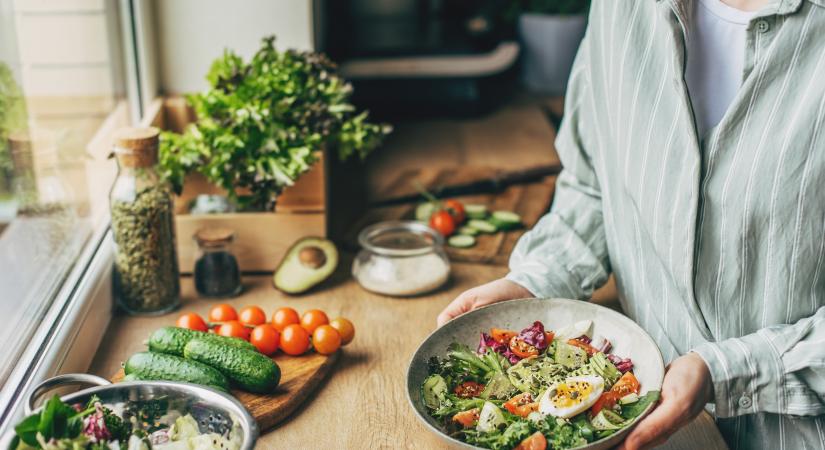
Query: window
<point x="62" y="90"/>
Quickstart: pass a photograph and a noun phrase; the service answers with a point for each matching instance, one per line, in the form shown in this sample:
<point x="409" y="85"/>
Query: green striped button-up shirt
<point x="717" y="242"/>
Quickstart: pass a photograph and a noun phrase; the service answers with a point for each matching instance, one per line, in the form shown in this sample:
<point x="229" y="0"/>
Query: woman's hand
<point x="486" y="294"/>
<point x="686" y="389"/>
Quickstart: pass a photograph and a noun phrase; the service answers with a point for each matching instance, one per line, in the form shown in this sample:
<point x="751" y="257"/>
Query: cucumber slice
<point x="608" y="420"/>
<point x="490" y="418"/>
<point x="461" y="241"/>
<point x="483" y="226"/>
<point x="469" y="231"/>
<point x="506" y="220"/>
<point x="475" y="211"/>
<point x="423" y="211"/>
<point x="629" y="398"/>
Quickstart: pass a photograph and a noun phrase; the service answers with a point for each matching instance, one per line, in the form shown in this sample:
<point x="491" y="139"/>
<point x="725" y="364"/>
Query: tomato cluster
<point x="288" y="331"/>
<point x="448" y="217"/>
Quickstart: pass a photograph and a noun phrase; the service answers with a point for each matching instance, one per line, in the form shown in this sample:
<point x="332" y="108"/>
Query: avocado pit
<point x="312" y="257"/>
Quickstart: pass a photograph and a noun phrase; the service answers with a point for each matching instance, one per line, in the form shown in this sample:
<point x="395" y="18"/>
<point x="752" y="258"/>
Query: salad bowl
<point x="627" y="339"/>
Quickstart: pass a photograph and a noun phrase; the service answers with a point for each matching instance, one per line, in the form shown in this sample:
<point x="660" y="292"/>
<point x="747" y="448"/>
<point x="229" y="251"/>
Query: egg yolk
<point x="571" y="394"/>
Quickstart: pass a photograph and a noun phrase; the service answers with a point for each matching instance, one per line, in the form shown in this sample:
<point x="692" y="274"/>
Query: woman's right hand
<point x="486" y="294"/>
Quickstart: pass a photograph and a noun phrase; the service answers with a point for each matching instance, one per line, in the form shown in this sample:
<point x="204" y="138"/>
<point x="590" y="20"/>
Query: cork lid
<point x="214" y="236"/>
<point x="137" y="147"/>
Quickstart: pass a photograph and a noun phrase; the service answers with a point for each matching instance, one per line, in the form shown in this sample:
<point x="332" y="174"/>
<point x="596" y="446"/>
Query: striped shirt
<point x="717" y="244"/>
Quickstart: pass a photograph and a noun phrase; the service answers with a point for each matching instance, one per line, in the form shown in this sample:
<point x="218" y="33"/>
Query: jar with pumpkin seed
<point x="146" y="276"/>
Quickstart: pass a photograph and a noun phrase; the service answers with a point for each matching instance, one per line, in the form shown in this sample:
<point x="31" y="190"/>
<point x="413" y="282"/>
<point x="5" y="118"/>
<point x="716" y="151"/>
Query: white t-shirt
<point x="715" y="59"/>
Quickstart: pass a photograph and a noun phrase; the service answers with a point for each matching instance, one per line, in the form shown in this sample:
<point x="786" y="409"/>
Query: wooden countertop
<point x="363" y="403"/>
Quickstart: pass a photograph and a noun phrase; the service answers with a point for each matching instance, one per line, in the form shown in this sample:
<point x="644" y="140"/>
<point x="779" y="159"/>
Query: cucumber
<point x="434" y="391"/>
<point x="461" y="241"/>
<point x="467" y="231"/>
<point x="172" y="340"/>
<point x="482" y="226"/>
<point x="160" y="366"/>
<point x="134" y="377"/>
<point x="475" y="211"/>
<point x="423" y="211"/>
<point x="505" y="220"/>
<point x="249" y="370"/>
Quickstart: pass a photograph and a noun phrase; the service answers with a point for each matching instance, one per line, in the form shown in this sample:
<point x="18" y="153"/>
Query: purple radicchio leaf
<point x="534" y="335"/>
<point x="94" y="426"/>
<point x="602" y="344"/>
<point x="487" y="341"/>
<point x="622" y="364"/>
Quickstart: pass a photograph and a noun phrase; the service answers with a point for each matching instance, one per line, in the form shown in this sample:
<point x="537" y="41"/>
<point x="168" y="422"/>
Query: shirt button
<point x="762" y="26"/>
<point x="745" y="402"/>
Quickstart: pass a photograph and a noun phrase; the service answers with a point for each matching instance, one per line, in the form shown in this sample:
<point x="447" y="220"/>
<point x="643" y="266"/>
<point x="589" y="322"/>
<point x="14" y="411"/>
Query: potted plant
<point x="261" y="125"/>
<point x="13" y="117"/>
<point x="550" y="32"/>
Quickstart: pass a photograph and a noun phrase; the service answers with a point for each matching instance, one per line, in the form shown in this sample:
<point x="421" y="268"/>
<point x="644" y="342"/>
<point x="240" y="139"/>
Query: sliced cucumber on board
<point x="475" y="211"/>
<point x="468" y="231"/>
<point x="505" y="220"/>
<point x="482" y="226"/>
<point x="461" y="241"/>
<point x="423" y="211"/>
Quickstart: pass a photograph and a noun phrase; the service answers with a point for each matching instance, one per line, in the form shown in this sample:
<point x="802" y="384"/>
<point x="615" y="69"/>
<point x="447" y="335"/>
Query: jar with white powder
<point x="401" y="258"/>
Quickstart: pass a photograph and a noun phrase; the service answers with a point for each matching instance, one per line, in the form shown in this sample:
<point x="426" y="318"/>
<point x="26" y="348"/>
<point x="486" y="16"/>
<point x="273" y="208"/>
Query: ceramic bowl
<point x="628" y="339"/>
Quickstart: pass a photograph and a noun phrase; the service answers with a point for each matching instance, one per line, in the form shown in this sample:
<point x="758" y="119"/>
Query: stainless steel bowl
<point x="213" y="410"/>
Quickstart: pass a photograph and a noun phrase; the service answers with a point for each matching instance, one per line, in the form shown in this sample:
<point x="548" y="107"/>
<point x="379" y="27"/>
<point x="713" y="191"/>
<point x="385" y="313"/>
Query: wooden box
<point x="261" y="238"/>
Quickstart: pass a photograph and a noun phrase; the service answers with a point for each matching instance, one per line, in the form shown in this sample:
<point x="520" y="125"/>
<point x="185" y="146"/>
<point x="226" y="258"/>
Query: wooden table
<point x="363" y="404"/>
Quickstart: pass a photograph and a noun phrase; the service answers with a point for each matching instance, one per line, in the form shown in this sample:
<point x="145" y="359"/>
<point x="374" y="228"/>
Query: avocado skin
<point x="160" y="366"/>
<point x="306" y="278"/>
<point x="250" y="370"/>
<point x="172" y="340"/>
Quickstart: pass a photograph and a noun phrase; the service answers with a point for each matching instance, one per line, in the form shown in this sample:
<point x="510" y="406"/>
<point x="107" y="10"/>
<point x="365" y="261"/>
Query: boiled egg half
<point x="572" y="396"/>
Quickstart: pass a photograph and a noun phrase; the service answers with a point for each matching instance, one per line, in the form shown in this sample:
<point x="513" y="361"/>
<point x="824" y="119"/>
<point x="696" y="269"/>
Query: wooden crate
<point x="261" y="238"/>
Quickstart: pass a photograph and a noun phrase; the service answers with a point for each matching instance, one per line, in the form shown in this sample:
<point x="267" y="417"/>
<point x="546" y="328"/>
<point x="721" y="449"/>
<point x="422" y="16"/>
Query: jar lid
<point x="400" y="238"/>
<point x="137" y="147"/>
<point x="214" y="236"/>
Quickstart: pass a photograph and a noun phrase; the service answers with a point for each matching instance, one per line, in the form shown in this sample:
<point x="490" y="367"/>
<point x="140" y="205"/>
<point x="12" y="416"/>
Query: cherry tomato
<point x="456" y="209"/>
<point x="252" y="315"/>
<point x="233" y="328"/>
<point x="222" y="313"/>
<point x="442" y="222"/>
<point x="521" y="348"/>
<point x="535" y="441"/>
<point x="313" y="319"/>
<point x="521" y="405"/>
<point x="606" y="400"/>
<point x="627" y="384"/>
<point x="192" y="321"/>
<point x="586" y="347"/>
<point x="468" y="389"/>
<point x="548" y="336"/>
<point x="294" y="340"/>
<point x="467" y="418"/>
<point x="265" y="339"/>
<point x="326" y="340"/>
<point x="345" y="328"/>
<point x="283" y="317"/>
<point x="502" y="336"/>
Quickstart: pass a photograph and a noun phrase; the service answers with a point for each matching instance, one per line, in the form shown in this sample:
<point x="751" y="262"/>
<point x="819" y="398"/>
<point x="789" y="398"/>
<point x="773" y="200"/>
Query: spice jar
<point x="401" y="258"/>
<point x="146" y="276"/>
<point x="217" y="273"/>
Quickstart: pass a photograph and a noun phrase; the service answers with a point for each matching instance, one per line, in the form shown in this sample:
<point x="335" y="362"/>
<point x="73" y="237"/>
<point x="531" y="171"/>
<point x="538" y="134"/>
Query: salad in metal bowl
<point x="534" y="389"/>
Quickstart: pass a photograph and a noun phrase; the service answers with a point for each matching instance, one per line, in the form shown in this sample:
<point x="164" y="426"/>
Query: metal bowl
<point x="213" y="410"/>
<point x="628" y="339"/>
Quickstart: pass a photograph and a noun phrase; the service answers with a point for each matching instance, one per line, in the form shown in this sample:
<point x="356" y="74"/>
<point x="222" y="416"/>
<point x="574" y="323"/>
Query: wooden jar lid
<point x="214" y="236"/>
<point x="137" y="147"/>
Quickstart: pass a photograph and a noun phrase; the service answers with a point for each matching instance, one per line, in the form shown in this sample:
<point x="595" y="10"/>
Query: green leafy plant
<point x="260" y="123"/>
<point x="13" y="116"/>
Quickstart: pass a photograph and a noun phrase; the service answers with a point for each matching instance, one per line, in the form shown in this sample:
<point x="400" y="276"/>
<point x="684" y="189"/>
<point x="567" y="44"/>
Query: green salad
<point x="534" y="389"/>
<point x="94" y="426"/>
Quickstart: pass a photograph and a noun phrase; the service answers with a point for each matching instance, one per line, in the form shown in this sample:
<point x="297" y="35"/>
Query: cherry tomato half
<point x="283" y="317"/>
<point x="222" y="313"/>
<point x="522" y="405"/>
<point x="627" y="384"/>
<point x="294" y="340"/>
<point x="586" y="347"/>
<point x="469" y="389"/>
<point x="467" y="418"/>
<point x="442" y="222"/>
<point x="535" y="441"/>
<point x="521" y="348"/>
<point x="326" y="340"/>
<point x="606" y="400"/>
<point x="502" y="336"/>
<point x="252" y="315"/>
<point x="313" y="319"/>
<point x="345" y="328"/>
<point x="233" y="328"/>
<point x="265" y="339"/>
<point x="192" y="321"/>
<point x="456" y="209"/>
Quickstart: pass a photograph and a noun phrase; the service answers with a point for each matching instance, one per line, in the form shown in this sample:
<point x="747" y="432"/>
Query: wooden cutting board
<point x="300" y="376"/>
<point x="531" y="201"/>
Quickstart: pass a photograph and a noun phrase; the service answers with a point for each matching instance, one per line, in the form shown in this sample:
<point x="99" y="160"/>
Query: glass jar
<point x="401" y="258"/>
<point x="37" y="184"/>
<point x="216" y="273"/>
<point x="146" y="276"/>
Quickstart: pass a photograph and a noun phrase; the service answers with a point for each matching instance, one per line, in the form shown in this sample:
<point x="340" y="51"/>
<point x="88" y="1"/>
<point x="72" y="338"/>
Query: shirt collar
<point x="780" y="7"/>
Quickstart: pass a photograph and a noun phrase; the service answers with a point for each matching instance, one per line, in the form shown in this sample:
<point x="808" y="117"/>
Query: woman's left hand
<point x="686" y="389"/>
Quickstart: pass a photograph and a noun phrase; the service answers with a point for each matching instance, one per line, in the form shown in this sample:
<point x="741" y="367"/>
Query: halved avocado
<point x="307" y="263"/>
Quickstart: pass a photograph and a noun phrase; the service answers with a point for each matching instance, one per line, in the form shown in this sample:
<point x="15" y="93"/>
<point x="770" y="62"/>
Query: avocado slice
<point x="307" y="263"/>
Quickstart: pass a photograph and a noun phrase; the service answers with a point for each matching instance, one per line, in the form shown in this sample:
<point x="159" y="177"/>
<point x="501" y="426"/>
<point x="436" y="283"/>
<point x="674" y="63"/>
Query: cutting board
<point x="531" y="201"/>
<point x="300" y="376"/>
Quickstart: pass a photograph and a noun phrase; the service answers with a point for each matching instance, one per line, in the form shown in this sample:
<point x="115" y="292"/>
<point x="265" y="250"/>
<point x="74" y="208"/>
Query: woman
<point x="694" y="165"/>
